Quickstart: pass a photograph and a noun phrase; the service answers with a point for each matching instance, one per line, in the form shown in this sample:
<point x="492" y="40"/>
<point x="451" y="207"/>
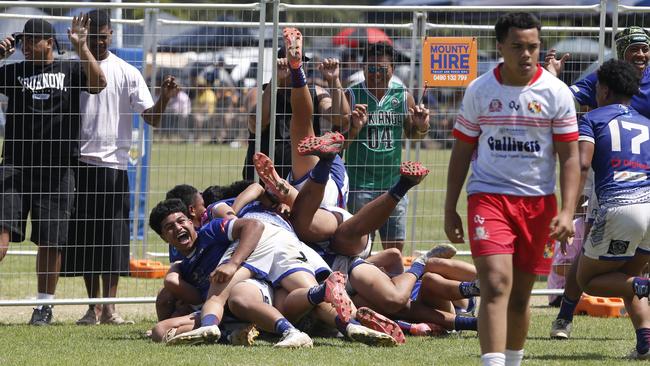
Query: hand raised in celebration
<point x="169" y="88"/>
<point x="330" y="69"/>
<point x="420" y="117"/>
<point x="78" y="32"/>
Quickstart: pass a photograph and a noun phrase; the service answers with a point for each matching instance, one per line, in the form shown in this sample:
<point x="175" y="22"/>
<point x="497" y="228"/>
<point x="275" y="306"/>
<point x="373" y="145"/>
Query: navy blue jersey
<point x="213" y="240"/>
<point x="584" y="91"/>
<point x="621" y="160"/>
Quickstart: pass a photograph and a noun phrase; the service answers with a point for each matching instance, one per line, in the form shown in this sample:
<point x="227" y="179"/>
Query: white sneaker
<point x="293" y="338"/>
<point x="561" y="329"/>
<point x="365" y="335"/>
<point x="206" y="334"/>
<point x="441" y="251"/>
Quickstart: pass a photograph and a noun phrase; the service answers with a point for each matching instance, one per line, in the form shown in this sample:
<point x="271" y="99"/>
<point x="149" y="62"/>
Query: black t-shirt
<point x="282" y="158"/>
<point x="43" y="118"/>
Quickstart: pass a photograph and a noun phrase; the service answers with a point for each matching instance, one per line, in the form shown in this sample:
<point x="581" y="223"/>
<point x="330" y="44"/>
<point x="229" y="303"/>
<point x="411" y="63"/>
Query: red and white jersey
<point x="515" y="128"/>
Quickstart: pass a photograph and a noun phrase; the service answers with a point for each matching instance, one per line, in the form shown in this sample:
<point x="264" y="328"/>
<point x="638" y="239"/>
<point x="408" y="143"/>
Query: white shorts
<point x="333" y="196"/>
<point x="265" y="289"/>
<point x="619" y="232"/>
<point x="278" y="254"/>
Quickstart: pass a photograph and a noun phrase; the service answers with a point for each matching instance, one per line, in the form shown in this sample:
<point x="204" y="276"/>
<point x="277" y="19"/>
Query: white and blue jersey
<point x="255" y="210"/>
<point x="584" y="92"/>
<point x="621" y="160"/>
<point x="212" y="242"/>
<point x="336" y="189"/>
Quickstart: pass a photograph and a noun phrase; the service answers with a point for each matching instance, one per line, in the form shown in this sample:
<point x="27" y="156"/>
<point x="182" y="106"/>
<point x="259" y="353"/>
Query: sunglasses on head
<point x="377" y="69"/>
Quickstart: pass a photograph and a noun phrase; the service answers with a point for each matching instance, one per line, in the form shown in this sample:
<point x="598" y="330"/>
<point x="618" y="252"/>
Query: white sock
<point x="493" y="359"/>
<point x="42" y="296"/>
<point x="513" y="358"/>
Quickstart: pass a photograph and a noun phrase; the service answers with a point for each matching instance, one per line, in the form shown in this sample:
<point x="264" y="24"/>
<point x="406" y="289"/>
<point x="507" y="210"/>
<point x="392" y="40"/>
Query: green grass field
<point x="595" y="342"/>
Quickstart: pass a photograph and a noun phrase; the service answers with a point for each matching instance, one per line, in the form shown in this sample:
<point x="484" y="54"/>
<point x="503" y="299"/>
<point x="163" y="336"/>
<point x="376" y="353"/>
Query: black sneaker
<point x="42" y="316"/>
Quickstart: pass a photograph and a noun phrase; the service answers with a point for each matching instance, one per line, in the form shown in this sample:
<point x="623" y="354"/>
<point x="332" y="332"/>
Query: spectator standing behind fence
<point x="375" y="153"/>
<point x="514" y="117"/>
<point x="203" y="108"/>
<point x="177" y="116"/>
<point x="99" y="231"/>
<point x="41" y="143"/>
<point x="322" y="105"/>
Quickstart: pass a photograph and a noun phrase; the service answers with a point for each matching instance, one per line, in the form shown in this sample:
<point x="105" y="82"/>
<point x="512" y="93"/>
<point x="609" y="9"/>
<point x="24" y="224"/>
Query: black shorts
<point x="45" y="193"/>
<point x="99" y="240"/>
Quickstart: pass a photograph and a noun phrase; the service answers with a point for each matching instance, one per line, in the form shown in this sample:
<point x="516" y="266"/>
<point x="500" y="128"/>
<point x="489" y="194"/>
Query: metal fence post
<point x="601" y="32"/>
<point x="614" y="26"/>
<point x="151" y="18"/>
<point x="154" y="72"/>
<point x="420" y="29"/>
<point x="260" y="80"/>
<point x="274" y="78"/>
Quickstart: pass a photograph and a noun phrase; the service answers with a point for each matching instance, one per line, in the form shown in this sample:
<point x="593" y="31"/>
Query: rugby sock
<point x="42" y="296"/>
<point x="282" y="325"/>
<point x="316" y="294"/>
<point x="643" y="340"/>
<point x="343" y="326"/>
<point x="398" y="191"/>
<point x="465" y="323"/>
<point x="321" y="172"/>
<point x="298" y="78"/>
<point x="469" y="289"/>
<point x="209" y="319"/>
<point x="567" y="307"/>
<point x="641" y="287"/>
<point x="493" y="359"/>
<point x="416" y="269"/>
<point x="404" y="326"/>
<point x="513" y="358"/>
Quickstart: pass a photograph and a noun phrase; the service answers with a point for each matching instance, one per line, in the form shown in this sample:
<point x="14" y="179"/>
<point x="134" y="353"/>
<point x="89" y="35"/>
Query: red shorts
<point x="503" y="224"/>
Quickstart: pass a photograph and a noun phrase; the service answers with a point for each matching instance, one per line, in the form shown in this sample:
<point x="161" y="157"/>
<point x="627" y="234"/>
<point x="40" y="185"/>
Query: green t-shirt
<point x="374" y="157"/>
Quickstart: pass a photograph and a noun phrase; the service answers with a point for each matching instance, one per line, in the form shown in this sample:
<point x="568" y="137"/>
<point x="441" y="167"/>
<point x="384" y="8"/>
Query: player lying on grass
<point x="258" y="210"/>
<point x="277" y="258"/>
<point x="326" y="226"/>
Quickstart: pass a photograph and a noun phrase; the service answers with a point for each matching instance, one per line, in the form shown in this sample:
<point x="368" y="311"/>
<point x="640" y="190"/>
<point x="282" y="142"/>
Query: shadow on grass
<point x="562" y="341"/>
<point x="574" y="357"/>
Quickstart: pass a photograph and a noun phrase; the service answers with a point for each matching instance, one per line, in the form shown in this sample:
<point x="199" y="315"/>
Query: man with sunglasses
<point x="375" y="151"/>
<point x="41" y="143"/>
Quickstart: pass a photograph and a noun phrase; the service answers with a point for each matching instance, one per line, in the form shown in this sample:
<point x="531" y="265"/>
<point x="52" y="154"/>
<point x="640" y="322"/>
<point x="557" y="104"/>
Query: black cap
<point x="282" y="53"/>
<point x="39" y="28"/>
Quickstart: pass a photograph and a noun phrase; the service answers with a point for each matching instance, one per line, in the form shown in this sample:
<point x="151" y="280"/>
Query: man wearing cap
<point x="632" y="46"/>
<point x="41" y="143"/>
<point x="98" y="245"/>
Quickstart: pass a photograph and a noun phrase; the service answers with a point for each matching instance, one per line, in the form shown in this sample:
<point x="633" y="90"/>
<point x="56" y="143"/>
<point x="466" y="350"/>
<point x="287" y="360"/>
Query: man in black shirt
<point x="41" y="141"/>
<point x="321" y="101"/>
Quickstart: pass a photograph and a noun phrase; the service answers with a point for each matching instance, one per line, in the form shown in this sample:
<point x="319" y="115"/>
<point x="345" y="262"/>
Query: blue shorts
<point x="395" y="228"/>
